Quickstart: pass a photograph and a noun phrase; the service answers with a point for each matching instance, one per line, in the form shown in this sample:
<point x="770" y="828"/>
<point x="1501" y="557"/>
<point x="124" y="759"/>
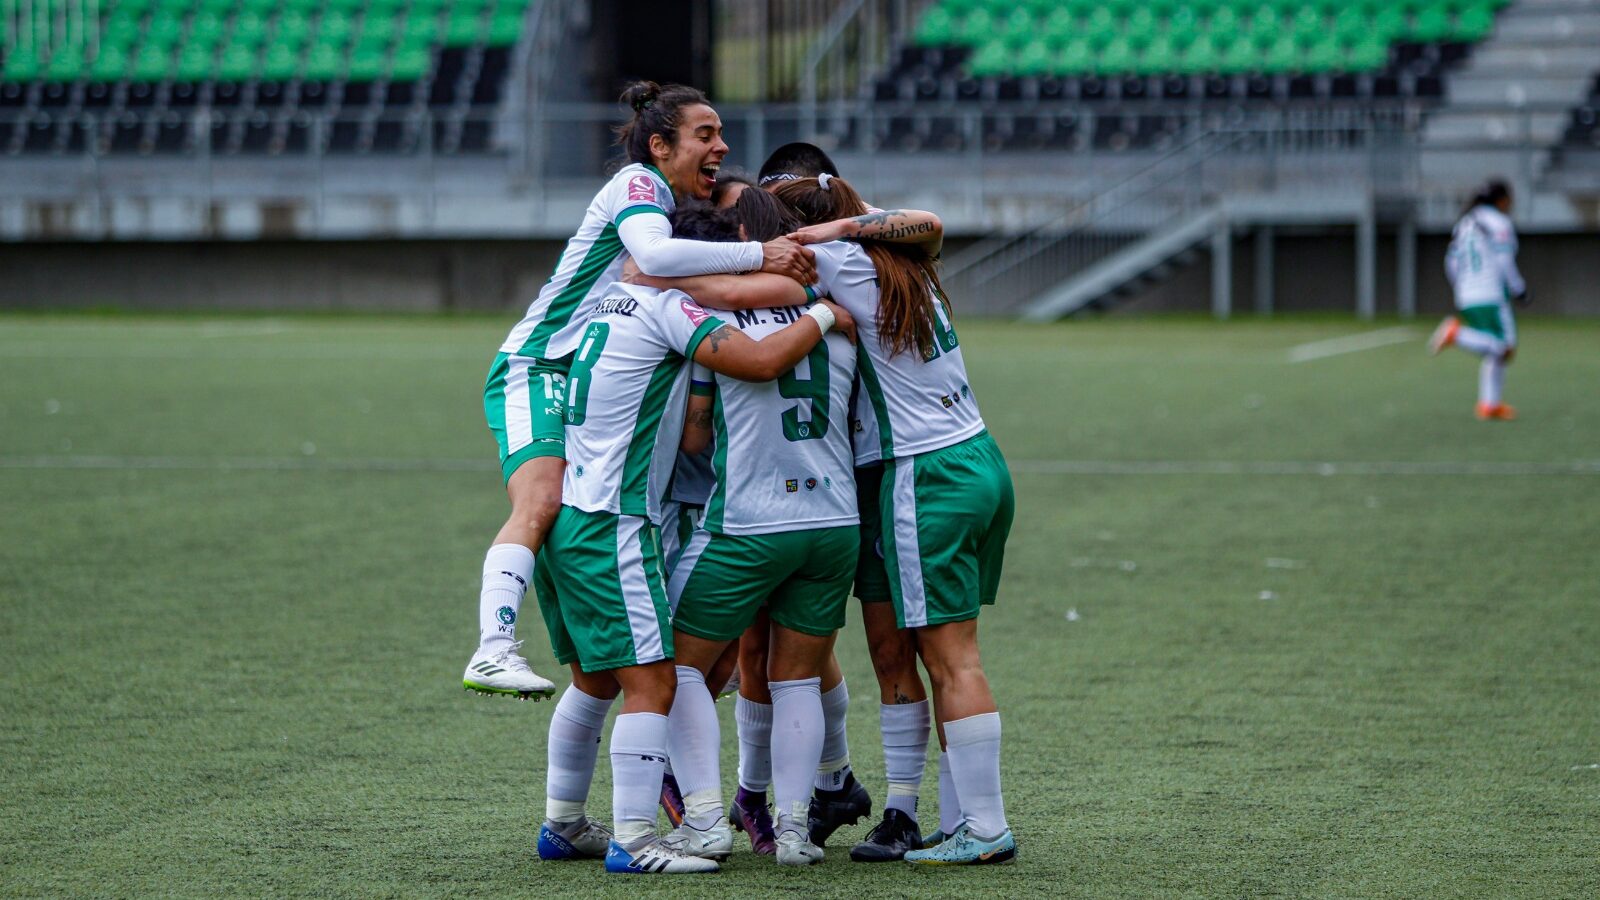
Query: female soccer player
<point x="947" y="499"/>
<point x="675" y="147"/>
<point x="1482" y="266"/>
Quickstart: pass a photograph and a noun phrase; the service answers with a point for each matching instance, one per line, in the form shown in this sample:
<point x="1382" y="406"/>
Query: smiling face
<point x="690" y="163"/>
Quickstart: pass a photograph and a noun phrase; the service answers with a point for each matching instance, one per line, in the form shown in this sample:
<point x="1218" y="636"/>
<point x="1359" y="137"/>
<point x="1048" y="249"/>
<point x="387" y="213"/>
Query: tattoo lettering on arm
<point x="904" y="231"/>
<point x="700" y="418"/>
<point x="720" y="335"/>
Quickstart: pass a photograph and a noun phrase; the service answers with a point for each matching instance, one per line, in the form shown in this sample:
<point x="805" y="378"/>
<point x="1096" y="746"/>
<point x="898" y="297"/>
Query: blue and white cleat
<point x="964" y="849"/>
<point x="583" y="839"/>
<point x="660" y="856"/>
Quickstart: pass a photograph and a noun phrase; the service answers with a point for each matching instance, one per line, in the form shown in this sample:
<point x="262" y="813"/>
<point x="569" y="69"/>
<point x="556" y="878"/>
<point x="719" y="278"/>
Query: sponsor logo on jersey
<point x="792" y="485"/>
<point x="506" y="614"/>
<point x="621" y="306"/>
<point x="578" y="471"/>
<point x="804" y="429"/>
<point x="811" y="484"/>
<point x="965" y="392"/>
<point x="945" y="399"/>
<point x="640" y="187"/>
<point x="827" y="483"/>
<point x="694" y="312"/>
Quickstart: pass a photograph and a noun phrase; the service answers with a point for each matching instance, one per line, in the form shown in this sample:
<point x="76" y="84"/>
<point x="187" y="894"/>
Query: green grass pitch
<point x="239" y="558"/>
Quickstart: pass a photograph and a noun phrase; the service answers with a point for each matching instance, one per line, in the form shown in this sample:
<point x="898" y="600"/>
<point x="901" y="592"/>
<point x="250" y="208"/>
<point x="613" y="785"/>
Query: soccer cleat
<point x="671" y="799"/>
<point x="583" y="839"/>
<point x="504" y="672"/>
<point x="832" y="810"/>
<point x="795" y="850"/>
<point x="934" y="839"/>
<point x="660" y="856"/>
<point x="1444" y="336"/>
<point x="1502" y="411"/>
<point x="964" y="849"/>
<point x="889" y="840"/>
<point x="751" y="815"/>
<point x="715" y="842"/>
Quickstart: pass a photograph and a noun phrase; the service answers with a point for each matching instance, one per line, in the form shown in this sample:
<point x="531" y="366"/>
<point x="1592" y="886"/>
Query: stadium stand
<point x="1584" y="132"/>
<point x="261" y="77"/>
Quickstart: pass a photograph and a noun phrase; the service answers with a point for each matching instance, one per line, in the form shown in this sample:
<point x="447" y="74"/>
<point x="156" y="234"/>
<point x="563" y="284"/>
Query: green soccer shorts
<point x="601" y="591"/>
<point x="804" y="577"/>
<point x="946" y="515"/>
<point x="678" y="522"/>
<point x="524" y="400"/>
<point x="1494" y="318"/>
<point x="872" y="579"/>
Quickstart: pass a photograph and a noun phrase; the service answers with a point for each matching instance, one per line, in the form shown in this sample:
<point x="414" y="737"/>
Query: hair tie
<point x="777" y="176"/>
<point x="822" y="181"/>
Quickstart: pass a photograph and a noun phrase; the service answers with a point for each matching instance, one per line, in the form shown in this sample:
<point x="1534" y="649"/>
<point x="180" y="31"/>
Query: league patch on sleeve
<point x="694" y="312"/>
<point x="641" y="187"/>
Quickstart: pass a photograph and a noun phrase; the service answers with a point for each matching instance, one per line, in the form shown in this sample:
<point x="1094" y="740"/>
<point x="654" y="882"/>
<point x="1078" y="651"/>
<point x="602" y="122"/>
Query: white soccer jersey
<point x="783" y="456"/>
<point x="864" y="426"/>
<point x="1482" y="260"/>
<point x="918" y="404"/>
<point x="625" y="398"/>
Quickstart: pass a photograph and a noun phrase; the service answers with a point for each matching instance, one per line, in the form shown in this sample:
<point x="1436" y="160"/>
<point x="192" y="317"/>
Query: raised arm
<point x="731" y="352"/>
<point x="897" y="226"/>
<point x="758" y="290"/>
<point x="648" y="237"/>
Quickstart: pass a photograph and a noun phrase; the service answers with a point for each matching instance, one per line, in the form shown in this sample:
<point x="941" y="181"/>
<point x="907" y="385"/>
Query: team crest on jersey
<point x="811" y="484"/>
<point x="945" y="399"/>
<point x="640" y="187"/>
<point x="578" y="471"/>
<point x="694" y="312"/>
<point x="792" y="485"/>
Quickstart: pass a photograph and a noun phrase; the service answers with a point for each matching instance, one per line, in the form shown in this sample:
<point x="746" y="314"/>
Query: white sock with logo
<point x="949" y="801"/>
<point x="507" y="572"/>
<point x="905" y="752"/>
<point x="834" y="768"/>
<point x="974" y="745"/>
<point x="574" y="743"/>
<point x="638" y="753"/>
<point x="796" y="747"/>
<point x="695" y="739"/>
<point x="754" y="721"/>
<point x="1491" y="380"/>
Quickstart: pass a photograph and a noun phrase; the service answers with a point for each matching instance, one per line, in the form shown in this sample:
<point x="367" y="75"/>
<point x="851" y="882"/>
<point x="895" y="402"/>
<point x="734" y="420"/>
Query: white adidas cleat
<point x="504" y="672"/>
<point x="660" y="856"/>
<point x="715" y="842"/>
<point x="795" y="849"/>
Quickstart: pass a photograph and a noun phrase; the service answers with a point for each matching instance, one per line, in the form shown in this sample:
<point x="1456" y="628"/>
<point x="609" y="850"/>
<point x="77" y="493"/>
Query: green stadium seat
<point x="1265" y="26"/>
<point x="293" y="29"/>
<point x="504" y="29"/>
<point x="365" y="66"/>
<point x="1075" y="58"/>
<point x="238" y="63"/>
<point x="990" y="59"/>
<point x="196" y="62"/>
<point x="262" y="8"/>
<point x="937" y="28"/>
<point x="1058" y="27"/>
<point x="1035" y="59"/>
<point x="410" y="64"/>
<point x="1200" y="56"/>
<point x="1283" y="56"/>
<point x="22" y="64"/>
<point x="465" y="27"/>
<point x="1158" y="56"/>
<point x="377" y="30"/>
<point x="1350" y="25"/>
<point x="1223" y="25"/>
<point x="1308" y="25"/>
<point x="1240" y="56"/>
<point x="1183" y="25"/>
<point x="1117" y="57"/>
<point x="110" y="65"/>
<point x="206" y="29"/>
<point x="152" y="64"/>
<point x="137" y="7"/>
<point x="163" y="32"/>
<point x="390" y="8"/>
<point x="66" y="64"/>
<point x="1431" y="24"/>
<point x="1100" y="27"/>
<point x="122" y="30"/>
<point x="281" y="62"/>
<point x="348" y="7"/>
<point x="304" y="7"/>
<point x="220" y="8"/>
<point x="1388" y="24"/>
<point x="1368" y="55"/>
<point x="249" y="30"/>
<point x="324" y="63"/>
<point x="1326" y="55"/>
<point x="333" y="28"/>
<point x="1473" y="23"/>
<point x="1017" y="28"/>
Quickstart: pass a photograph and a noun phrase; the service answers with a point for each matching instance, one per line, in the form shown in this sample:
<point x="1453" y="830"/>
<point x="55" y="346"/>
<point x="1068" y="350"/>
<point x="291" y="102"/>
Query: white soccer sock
<point x="796" y="747"/>
<point x="835" y="765"/>
<point x="949" y="801"/>
<point x="1480" y="342"/>
<point x="573" y="745"/>
<point x="754" y="721"/>
<point x="1491" y="380"/>
<point x="905" y="752"/>
<point x="974" y="744"/>
<point x="507" y="572"/>
<point x="638" y="751"/>
<point x="695" y="739"/>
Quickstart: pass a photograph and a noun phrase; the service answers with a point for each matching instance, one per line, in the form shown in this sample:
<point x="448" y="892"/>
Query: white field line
<point x="1022" y="466"/>
<point x="1351" y="343"/>
<point x="254" y="329"/>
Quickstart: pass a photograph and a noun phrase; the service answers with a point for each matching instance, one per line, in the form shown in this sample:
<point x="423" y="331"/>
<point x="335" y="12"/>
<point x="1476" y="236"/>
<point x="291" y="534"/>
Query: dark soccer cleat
<point x="671" y="800"/>
<point x="751" y="816"/>
<point x="889" y="840"/>
<point x="832" y="810"/>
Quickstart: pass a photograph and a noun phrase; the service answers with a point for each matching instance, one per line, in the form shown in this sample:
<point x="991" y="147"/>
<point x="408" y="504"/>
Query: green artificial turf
<point x="238" y="575"/>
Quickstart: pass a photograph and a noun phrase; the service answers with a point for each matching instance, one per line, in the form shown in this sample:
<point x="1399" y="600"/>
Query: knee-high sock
<point x="507" y="572"/>
<point x="574" y="743"/>
<point x="1491" y="380"/>
<point x="974" y="744"/>
<point x="754" y="721"/>
<point x="949" y="800"/>
<point x="796" y="748"/>
<point x="905" y="752"/>
<point x="638" y="753"/>
<point x="835" y="765"/>
<point x="695" y="739"/>
<point x="1480" y="342"/>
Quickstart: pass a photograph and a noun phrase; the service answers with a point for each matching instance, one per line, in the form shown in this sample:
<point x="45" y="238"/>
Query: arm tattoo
<point x="700" y="418"/>
<point x="721" y="334"/>
<point x="905" y="231"/>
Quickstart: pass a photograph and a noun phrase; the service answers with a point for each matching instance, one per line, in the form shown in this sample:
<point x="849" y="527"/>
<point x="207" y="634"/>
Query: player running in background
<point x="600" y="583"/>
<point x="947" y="496"/>
<point x="675" y="147"/>
<point x="1482" y="266"/>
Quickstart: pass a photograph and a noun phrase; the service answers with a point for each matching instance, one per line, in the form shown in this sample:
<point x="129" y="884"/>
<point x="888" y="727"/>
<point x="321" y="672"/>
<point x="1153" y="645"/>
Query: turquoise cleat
<point x="964" y="849"/>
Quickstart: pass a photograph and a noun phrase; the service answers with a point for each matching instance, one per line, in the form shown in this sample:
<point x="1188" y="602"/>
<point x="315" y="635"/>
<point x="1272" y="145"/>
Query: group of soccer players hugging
<point x="734" y="401"/>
